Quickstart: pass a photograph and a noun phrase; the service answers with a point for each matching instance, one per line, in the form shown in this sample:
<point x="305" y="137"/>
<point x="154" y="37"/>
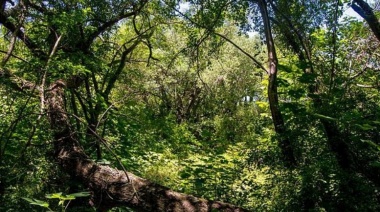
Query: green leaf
<point x="371" y="143"/>
<point x="199" y="181"/>
<point x="54" y="196"/>
<point x="324" y="117"/>
<point x="37" y="202"/>
<point x="103" y="162"/>
<point x="199" y="170"/>
<point x="68" y="197"/>
<point x="303" y="65"/>
<point x="27" y="199"/>
<point x="375" y="164"/>
<point x="185" y="175"/>
<point x="285" y="68"/>
<point x="223" y="161"/>
<point x="262" y="105"/>
<point x="81" y="194"/>
<point x="365" y="127"/>
<point x="298" y="93"/>
<point x="282" y="82"/>
<point x="307" y="78"/>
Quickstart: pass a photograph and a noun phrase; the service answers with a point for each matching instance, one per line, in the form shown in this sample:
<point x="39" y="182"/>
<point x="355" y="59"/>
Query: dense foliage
<point x="195" y="96"/>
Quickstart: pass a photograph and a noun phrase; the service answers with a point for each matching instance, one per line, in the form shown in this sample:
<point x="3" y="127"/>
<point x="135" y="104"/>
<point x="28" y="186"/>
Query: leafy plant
<point x="61" y="197"/>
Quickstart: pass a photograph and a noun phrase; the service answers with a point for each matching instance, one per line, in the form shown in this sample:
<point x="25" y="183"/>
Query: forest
<point x="193" y="106"/>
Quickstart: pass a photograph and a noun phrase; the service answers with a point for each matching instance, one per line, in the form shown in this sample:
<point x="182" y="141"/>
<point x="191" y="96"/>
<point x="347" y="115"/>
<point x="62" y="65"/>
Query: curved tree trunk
<point x="278" y="121"/>
<point x="111" y="187"/>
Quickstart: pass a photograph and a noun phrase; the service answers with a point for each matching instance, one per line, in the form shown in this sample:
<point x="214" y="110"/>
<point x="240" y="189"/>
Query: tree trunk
<point x="111" y="187"/>
<point x="338" y="142"/>
<point x="278" y="121"/>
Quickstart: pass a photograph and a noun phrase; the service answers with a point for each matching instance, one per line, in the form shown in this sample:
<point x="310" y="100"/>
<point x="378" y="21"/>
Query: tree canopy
<point x="209" y="105"/>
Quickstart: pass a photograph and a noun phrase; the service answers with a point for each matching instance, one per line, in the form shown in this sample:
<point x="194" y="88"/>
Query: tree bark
<point x="111" y="187"/>
<point x="365" y="11"/>
<point x="278" y="121"/>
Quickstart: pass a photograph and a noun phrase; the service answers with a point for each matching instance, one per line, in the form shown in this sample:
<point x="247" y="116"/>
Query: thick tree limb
<point x="366" y="12"/>
<point x="111" y="187"/>
<point x="123" y="60"/>
<point x="12" y="55"/>
<point x="19" y="33"/>
<point x="112" y="22"/>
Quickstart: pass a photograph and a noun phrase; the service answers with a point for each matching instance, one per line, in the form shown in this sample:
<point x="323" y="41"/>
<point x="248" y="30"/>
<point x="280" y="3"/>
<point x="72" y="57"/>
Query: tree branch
<point x="111" y="187"/>
<point x="243" y="51"/>
<point x="226" y="39"/>
<point x="10" y="50"/>
<point x="365" y="11"/>
<point x="17" y="83"/>
<point x="12" y="55"/>
<point x="20" y="34"/>
<point x="114" y="76"/>
<point x="112" y="22"/>
<point x="296" y="32"/>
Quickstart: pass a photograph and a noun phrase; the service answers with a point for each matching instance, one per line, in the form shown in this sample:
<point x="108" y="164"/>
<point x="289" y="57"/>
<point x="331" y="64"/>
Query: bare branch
<point x="226" y="39"/>
<point x="10" y="50"/>
<point x="12" y="55"/>
<point x="42" y="86"/>
<point x="366" y="86"/>
<point x="243" y="51"/>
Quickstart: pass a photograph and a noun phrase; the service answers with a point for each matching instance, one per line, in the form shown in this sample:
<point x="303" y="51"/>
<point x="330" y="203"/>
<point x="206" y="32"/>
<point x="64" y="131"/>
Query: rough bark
<point x="365" y="11"/>
<point x="111" y="187"/>
<point x="278" y="121"/>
